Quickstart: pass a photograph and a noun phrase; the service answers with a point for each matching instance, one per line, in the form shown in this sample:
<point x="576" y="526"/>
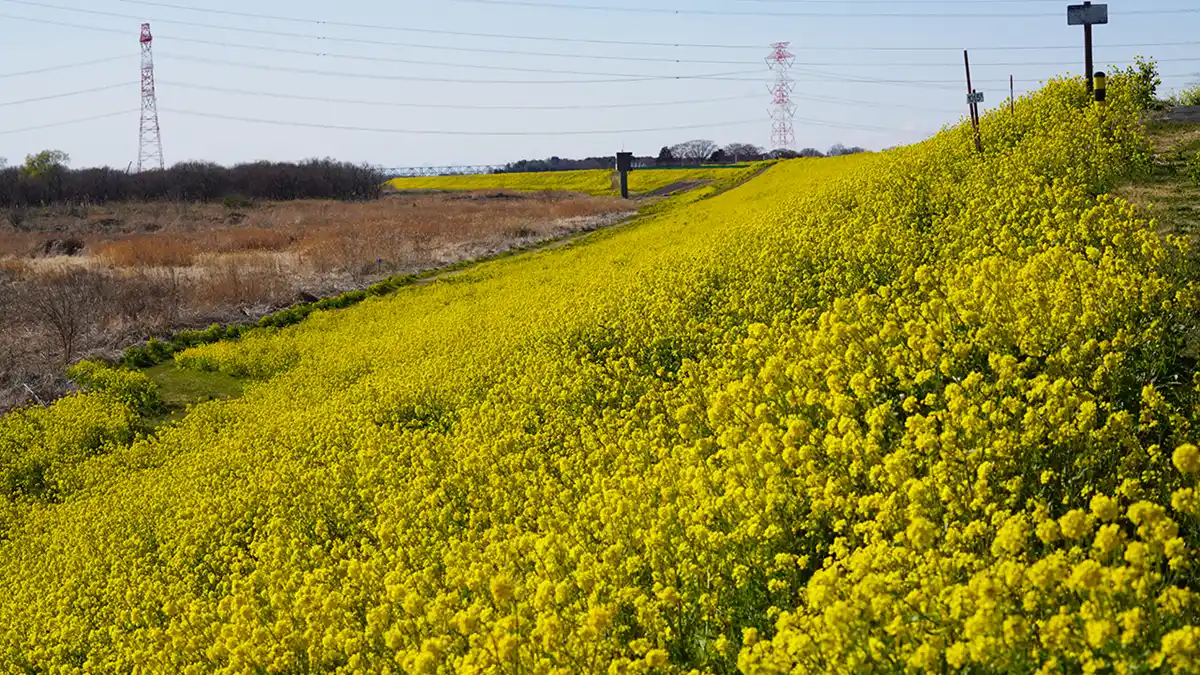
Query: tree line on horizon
<point x="45" y="179"/>
<point x="688" y="153"/>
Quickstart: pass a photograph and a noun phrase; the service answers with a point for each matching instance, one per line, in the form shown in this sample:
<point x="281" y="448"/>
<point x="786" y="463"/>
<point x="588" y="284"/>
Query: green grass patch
<point x="1169" y="193"/>
<point x="181" y="388"/>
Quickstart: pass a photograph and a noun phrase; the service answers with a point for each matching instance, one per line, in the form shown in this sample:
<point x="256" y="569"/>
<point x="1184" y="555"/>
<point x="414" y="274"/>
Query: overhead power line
<point x="418" y="78"/>
<point x="444" y="106"/>
<point x="327" y="38"/>
<point x="382" y="59"/>
<point x="68" y="94"/>
<point x="583" y="40"/>
<point x="599" y="106"/>
<point x="444" y="132"/>
<point x="385" y="43"/>
<point x="66" y="66"/>
<point x="425" y="62"/>
<point x="597" y="132"/>
<point x="850" y="3"/>
<point x="749" y="76"/>
<point x="857" y="14"/>
<point x="64" y="123"/>
<point x="385" y="27"/>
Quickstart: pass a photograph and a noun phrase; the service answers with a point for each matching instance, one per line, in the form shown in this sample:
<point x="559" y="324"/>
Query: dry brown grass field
<point x="88" y="281"/>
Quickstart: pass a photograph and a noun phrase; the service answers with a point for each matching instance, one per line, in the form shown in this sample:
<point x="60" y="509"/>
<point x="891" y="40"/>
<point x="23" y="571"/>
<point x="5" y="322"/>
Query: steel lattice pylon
<point x="150" y="153"/>
<point x="780" y="61"/>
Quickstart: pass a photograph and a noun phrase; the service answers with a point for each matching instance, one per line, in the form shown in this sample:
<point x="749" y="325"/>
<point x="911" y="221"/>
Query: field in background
<point x="92" y="280"/>
<point x="593" y="182"/>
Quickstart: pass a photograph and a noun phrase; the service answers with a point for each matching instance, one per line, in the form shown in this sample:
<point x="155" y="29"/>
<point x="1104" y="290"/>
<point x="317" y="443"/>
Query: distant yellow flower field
<point x="593" y="182"/>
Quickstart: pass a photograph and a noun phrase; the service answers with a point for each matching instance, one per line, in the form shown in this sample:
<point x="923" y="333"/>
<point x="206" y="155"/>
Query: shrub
<point x="1189" y="96"/>
<point x="128" y="386"/>
<point x="1141" y="80"/>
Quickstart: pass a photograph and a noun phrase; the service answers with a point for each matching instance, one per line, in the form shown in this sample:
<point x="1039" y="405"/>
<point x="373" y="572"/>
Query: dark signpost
<point x="1087" y="15"/>
<point x="624" y="165"/>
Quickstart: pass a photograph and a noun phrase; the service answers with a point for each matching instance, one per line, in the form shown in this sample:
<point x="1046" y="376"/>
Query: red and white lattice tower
<point x="150" y="154"/>
<point x="782" y="111"/>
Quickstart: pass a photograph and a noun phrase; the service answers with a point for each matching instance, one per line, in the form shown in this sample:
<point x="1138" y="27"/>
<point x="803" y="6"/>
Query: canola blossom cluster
<point x="924" y="410"/>
<point x="598" y="182"/>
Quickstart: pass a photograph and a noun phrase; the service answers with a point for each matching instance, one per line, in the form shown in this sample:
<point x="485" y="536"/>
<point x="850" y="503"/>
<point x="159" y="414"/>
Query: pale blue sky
<point x="837" y="42"/>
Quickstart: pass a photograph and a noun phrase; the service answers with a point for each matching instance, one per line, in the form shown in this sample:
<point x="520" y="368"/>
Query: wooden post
<point x="971" y="103"/>
<point x="1012" y="96"/>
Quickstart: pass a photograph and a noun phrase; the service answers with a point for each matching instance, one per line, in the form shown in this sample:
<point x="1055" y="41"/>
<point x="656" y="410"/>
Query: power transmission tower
<point x="780" y="61"/>
<point x="150" y="153"/>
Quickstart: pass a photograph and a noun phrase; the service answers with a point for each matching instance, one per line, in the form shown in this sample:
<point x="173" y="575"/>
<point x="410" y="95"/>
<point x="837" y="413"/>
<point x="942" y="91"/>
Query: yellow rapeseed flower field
<point x="916" y="411"/>
<point x="593" y="182"/>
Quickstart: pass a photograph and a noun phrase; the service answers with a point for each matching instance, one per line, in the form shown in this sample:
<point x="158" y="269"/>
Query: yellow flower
<point x="1099" y="632"/>
<point x="921" y="532"/>
<point x="1187" y="458"/>
<point x="502" y="588"/>
<point x="1087" y="575"/>
<point x="1108" y="539"/>
<point x="1105" y="508"/>
<point x="1048" y="531"/>
<point x="1075" y="524"/>
<point x="957" y="655"/>
<point x="657" y="658"/>
<point x="1011" y="537"/>
<point x="1186" y="501"/>
<point x="925" y="658"/>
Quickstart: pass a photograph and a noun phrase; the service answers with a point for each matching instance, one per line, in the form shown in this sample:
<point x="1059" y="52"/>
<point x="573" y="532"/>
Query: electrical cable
<point x="443" y="106"/>
<point x="337" y="127"/>
<point x="67" y="122"/>
<point x="66" y="66"/>
<point x="543" y="38"/>
<point x="416" y="78"/>
<point x="543" y="4"/>
<point x="68" y="94"/>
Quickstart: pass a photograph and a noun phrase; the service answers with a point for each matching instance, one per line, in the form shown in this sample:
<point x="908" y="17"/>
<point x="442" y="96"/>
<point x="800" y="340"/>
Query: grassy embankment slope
<point x="593" y="182"/>
<point x="919" y="409"/>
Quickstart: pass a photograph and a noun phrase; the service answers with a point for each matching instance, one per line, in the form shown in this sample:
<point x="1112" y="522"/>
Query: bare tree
<point x="67" y="303"/>
<point x="838" y="150"/>
<point x="696" y="150"/>
<point x="743" y="152"/>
